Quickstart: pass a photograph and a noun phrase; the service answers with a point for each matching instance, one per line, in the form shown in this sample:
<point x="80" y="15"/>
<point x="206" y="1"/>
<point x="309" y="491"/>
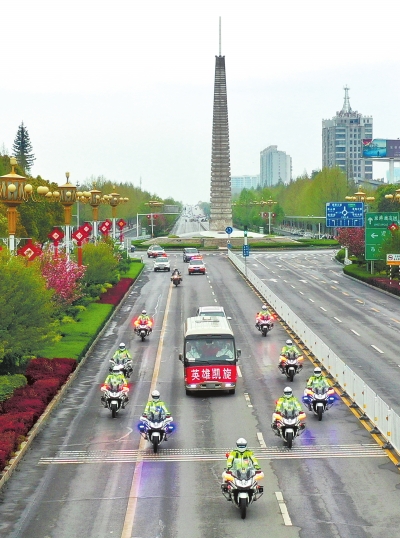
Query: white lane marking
<point x="355" y="332"/>
<point x="213" y="293"/>
<point x="359" y="301"/>
<point x="322" y="308"/>
<point x="396" y="320"/>
<point x="301" y="292"/>
<point x="334" y="287"/>
<point x="239" y="371"/>
<point x="247" y="398"/>
<point x="305" y="281"/>
<point x="377" y="349"/>
<point x="283" y="508"/>
<point x="261" y="440"/>
<point x="337" y="319"/>
<point x="292" y="285"/>
<point x="345" y="293"/>
<point x="312" y="300"/>
<point x="375" y="310"/>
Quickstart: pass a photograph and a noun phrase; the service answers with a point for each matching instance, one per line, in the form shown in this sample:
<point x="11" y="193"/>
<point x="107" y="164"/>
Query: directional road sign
<point x="345" y="214"/>
<point x="376" y="231"/>
<point x="246" y="250"/>
<point x="229" y="230"/>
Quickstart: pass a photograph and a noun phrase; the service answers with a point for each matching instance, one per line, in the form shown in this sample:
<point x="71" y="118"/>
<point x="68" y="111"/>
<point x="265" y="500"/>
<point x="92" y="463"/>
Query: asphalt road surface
<point x="92" y="476"/>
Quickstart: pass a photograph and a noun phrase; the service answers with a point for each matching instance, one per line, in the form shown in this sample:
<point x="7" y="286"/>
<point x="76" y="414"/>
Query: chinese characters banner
<point x="202" y="374"/>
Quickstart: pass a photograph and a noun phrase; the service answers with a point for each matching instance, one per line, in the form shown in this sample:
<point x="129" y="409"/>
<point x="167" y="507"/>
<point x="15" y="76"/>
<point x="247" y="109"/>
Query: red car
<point x="154" y="251"/>
<point x="196" y="267"/>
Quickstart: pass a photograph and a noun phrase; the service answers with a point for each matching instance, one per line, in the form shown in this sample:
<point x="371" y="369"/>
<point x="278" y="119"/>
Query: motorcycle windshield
<point x="241" y="471"/>
<point x="290" y="413"/>
<point x="320" y="390"/>
<point x="291" y="355"/>
<point x="116" y="387"/>
<point x="157" y="416"/>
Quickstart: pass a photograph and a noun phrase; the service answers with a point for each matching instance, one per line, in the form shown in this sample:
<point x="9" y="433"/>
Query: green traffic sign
<point x="376" y="231"/>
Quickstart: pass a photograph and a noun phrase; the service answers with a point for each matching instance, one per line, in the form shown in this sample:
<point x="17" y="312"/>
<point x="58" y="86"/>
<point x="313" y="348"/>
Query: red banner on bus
<point x="201" y="374"/>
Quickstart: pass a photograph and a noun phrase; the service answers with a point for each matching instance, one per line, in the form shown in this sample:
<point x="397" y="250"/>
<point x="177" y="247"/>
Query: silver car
<point x="162" y="264"/>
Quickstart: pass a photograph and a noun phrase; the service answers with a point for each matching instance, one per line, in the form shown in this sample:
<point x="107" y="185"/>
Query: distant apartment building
<point x="275" y="167"/>
<point x="238" y="183"/>
<point x="342" y="141"/>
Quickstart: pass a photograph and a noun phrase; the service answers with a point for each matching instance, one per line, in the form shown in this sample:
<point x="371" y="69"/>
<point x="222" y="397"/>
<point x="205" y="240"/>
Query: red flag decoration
<point x="393" y="227"/>
<point x="86" y="227"/>
<point x="121" y="223"/>
<point x="30" y="250"/>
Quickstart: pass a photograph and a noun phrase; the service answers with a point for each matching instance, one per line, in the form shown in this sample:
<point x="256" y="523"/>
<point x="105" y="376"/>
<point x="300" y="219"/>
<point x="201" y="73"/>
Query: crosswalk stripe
<point x="187" y="455"/>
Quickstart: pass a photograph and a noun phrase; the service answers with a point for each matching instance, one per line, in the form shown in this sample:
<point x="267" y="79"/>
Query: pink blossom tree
<point x="64" y="276"/>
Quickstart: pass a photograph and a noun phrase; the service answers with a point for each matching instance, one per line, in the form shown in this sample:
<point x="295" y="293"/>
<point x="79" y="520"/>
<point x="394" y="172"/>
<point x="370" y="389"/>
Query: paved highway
<point x="91" y="476"/>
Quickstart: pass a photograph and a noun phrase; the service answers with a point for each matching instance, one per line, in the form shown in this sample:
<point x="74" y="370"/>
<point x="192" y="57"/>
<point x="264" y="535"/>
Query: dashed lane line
<point x="283" y="508"/>
<point x="377" y="349"/>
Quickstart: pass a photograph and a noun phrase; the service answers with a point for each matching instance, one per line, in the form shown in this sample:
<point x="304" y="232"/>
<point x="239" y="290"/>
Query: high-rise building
<point x="342" y="141"/>
<point x="238" y="183"/>
<point x="275" y="167"/>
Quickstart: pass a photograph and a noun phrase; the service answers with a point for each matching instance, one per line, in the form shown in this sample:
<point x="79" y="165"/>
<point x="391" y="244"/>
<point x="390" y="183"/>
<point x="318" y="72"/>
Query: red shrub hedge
<point x="27" y="418"/>
<point x="16" y="404"/>
<point x="115" y="294"/>
<point x="8" y="441"/>
<point x="47" y="388"/>
<point x="12" y="424"/>
<point x="3" y="459"/>
<point x="49" y="368"/>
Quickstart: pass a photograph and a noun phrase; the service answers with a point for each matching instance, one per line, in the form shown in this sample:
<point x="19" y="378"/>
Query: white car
<point x="212" y="311"/>
<point x="162" y="263"/>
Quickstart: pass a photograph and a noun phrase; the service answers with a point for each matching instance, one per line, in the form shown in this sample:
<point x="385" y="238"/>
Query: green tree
<point x="22" y="149"/>
<point x="26" y="310"/>
<point x="101" y="264"/>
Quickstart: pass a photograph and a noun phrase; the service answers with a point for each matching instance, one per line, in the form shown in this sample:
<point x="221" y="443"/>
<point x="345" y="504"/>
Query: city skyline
<point x="126" y="93"/>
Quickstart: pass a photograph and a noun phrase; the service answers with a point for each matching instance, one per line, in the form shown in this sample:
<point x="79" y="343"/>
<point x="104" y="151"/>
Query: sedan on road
<point x="161" y="263"/>
<point x="189" y="253"/>
<point x="196" y="267"/>
<point x="154" y="251"/>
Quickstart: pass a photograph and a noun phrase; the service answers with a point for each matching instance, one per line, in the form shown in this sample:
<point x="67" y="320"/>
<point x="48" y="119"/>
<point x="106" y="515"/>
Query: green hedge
<point x="8" y="383"/>
<point x="77" y="337"/>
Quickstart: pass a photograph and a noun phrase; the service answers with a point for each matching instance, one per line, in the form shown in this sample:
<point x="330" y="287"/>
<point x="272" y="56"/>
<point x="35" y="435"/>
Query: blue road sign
<point x="229" y="230"/>
<point x="345" y="214"/>
<point x="246" y="250"/>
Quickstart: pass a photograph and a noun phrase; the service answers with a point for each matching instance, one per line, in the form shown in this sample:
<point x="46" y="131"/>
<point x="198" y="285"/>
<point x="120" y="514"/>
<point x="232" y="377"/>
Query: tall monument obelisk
<point x="221" y="196"/>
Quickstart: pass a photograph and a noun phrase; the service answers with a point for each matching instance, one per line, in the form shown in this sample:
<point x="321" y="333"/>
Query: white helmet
<point x="317" y="371"/>
<point x="287" y="392"/>
<point x="155" y="396"/>
<point x="122" y="346"/>
<point x="144" y="312"/>
<point x="241" y="444"/>
<point x="289" y="343"/>
<point x="264" y="307"/>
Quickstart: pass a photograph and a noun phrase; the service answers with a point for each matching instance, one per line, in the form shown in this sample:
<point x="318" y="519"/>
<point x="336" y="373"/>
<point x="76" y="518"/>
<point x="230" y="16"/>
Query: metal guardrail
<point x="373" y="407"/>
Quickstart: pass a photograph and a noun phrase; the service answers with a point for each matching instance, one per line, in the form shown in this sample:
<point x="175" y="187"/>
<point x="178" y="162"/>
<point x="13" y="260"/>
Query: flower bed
<point x="20" y="412"/>
<point x="115" y="294"/>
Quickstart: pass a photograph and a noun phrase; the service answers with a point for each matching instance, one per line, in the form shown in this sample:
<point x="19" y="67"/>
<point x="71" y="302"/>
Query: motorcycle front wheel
<point x="289" y="439"/>
<point x="155" y="446"/>
<point x="320" y="412"/>
<point x="242" y="507"/>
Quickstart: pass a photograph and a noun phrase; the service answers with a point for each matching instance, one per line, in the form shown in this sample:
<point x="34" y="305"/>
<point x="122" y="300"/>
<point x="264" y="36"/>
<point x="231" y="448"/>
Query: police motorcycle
<point x="155" y="427"/>
<point x="241" y="486"/>
<point x="319" y="399"/>
<point x="176" y="278"/>
<point x="264" y="324"/>
<point x="125" y="368"/>
<point x="289" y="425"/>
<point x="291" y="364"/>
<point x="143" y="329"/>
<point x="115" y="396"/>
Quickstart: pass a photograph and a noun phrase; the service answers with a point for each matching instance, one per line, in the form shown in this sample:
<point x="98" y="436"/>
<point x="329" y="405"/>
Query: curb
<point x="41" y="422"/>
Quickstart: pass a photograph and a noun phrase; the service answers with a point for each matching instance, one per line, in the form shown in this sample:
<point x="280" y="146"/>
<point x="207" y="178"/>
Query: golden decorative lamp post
<point x="14" y="190"/>
<point x="360" y="196"/>
<point x="67" y="198"/>
<point x="394" y="197"/>
<point x="153" y="204"/>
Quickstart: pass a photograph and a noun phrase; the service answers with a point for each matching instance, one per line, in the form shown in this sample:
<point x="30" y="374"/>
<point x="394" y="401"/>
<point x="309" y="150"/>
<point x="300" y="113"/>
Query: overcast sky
<point x="124" y="89"/>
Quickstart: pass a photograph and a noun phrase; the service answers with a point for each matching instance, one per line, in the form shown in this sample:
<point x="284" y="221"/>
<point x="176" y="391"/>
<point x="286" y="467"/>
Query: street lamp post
<point x="270" y="203"/>
<point x="394" y="197"/>
<point x="67" y="199"/>
<point x="153" y="204"/>
<point x="14" y="190"/>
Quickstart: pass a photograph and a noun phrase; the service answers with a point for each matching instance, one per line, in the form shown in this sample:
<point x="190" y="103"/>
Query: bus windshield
<point x="210" y="351"/>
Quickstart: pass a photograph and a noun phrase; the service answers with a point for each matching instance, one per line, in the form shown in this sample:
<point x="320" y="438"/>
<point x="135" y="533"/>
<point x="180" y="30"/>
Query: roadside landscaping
<point x="24" y="397"/>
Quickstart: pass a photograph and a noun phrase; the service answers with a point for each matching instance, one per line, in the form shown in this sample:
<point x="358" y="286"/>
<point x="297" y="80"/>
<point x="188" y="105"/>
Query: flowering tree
<point x="64" y="276"/>
<point x="353" y="239"/>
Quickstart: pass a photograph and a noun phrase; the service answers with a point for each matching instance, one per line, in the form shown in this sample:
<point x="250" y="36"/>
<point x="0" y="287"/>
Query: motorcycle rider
<point x="242" y="456"/>
<point x="176" y="272"/>
<point x="113" y="379"/>
<point x="289" y="347"/>
<point x="287" y="402"/>
<point x="263" y="315"/>
<point x="317" y="380"/>
<point x="143" y="319"/>
<point x="121" y="356"/>
<point x="154" y="405"/>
